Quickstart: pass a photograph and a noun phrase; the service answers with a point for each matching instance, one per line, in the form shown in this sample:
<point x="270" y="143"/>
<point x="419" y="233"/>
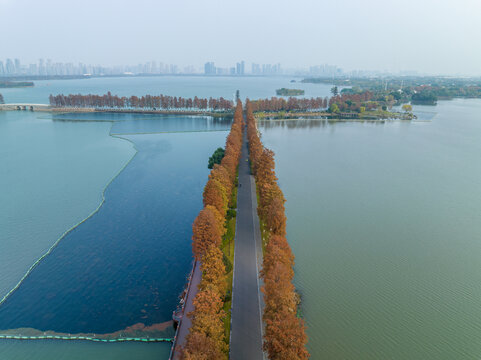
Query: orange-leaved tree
<point x="215" y="195"/>
<point x="207" y="317"/>
<point x="275" y="217"/>
<point x="213" y="270"/>
<point x="201" y="347"/>
<point x="219" y="217"/>
<point x="285" y="337"/>
<point x="206" y="339"/>
<point x="205" y="231"/>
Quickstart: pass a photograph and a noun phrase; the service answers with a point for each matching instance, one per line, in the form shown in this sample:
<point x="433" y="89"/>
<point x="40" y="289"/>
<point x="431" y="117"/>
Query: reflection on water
<point x="311" y="123"/>
<point x="132" y="123"/>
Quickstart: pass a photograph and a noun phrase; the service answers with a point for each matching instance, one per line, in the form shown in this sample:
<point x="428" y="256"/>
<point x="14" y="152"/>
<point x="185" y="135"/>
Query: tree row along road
<point x="246" y="329"/>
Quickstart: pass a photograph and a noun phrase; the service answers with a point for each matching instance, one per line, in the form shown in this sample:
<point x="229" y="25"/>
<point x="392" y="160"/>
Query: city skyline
<point x="15" y="67"/>
<point x="422" y="36"/>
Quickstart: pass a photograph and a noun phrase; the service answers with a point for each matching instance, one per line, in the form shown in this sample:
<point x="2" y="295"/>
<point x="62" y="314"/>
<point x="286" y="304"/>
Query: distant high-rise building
<point x="41" y="67"/>
<point x="18" y="67"/>
<point x="9" y="67"/>
<point x="269" y="69"/>
<point x="222" y="71"/>
<point x="240" y="68"/>
<point x="266" y="69"/>
<point x="256" y="69"/>
<point x="209" y="68"/>
<point x="147" y="68"/>
<point x="324" y="70"/>
<point x="278" y="68"/>
<point x="153" y="68"/>
<point x="49" y="67"/>
<point x="162" y="68"/>
<point x="33" y="69"/>
<point x="189" y="70"/>
<point x="69" y="69"/>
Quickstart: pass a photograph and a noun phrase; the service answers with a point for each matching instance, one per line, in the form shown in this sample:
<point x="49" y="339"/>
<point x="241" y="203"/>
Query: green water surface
<point x="385" y="223"/>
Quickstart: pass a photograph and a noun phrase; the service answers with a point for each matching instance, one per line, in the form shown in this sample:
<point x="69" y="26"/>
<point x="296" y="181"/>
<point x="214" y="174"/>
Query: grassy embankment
<point x="228" y="250"/>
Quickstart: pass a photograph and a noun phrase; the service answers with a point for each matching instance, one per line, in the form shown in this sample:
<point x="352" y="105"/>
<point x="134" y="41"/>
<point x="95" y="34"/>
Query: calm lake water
<point x="185" y="86"/>
<point x="56" y="172"/>
<point x="53" y="175"/>
<point x="384" y="220"/>
<point x="128" y="262"/>
<point x="81" y="350"/>
<point x="385" y="223"/>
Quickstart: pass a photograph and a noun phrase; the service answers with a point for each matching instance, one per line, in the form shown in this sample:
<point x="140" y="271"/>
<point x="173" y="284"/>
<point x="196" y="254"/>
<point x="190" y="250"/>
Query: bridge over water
<point x="24" y="107"/>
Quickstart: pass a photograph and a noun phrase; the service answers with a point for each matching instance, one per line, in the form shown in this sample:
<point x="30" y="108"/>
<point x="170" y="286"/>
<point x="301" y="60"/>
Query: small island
<point x="289" y="92"/>
<point x="15" y="84"/>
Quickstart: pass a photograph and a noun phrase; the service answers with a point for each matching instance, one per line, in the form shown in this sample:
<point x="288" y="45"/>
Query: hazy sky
<point x="432" y="36"/>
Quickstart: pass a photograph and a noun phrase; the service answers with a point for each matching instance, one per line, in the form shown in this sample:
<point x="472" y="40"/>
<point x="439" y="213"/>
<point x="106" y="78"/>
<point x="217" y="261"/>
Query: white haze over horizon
<point x="428" y="36"/>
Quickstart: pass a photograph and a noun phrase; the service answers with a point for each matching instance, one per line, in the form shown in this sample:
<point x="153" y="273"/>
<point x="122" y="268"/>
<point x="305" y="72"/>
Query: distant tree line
<point x="355" y="101"/>
<point x="206" y="338"/>
<point x="15" y="84"/>
<point x="291" y="104"/>
<point x="285" y="336"/>
<point x="289" y="92"/>
<point x="402" y="90"/>
<point x="157" y="102"/>
<point x="424" y="97"/>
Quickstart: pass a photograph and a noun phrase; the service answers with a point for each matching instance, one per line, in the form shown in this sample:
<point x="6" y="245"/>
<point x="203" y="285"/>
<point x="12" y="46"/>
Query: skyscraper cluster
<point x="211" y="69"/>
<point x="47" y="67"/>
<point x="325" y="70"/>
<point x="266" y="69"/>
<point x="15" y="68"/>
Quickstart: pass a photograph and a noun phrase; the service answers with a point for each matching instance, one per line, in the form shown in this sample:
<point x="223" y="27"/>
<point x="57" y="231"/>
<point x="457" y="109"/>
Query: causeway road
<point x="246" y="325"/>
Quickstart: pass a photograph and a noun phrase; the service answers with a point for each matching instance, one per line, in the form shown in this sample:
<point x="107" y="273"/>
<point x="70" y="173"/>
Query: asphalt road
<point x="246" y="329"/>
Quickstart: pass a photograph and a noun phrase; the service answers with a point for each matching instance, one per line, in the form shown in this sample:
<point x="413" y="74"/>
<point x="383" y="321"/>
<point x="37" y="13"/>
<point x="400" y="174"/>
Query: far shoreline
<point x="48" y="108"/>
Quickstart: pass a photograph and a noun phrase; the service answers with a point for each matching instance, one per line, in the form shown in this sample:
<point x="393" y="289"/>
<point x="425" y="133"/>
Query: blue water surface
<point x="127" y="263"/>
<point x="138" y="123"/>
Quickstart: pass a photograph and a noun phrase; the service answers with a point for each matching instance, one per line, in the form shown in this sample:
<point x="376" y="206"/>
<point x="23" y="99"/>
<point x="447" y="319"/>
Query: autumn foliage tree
<point x="291" y="104"/>
<point x="205" y="232"/>
<point x="275" y="216"/>
<point x="220" y="219"/>
<point x="206" y="339"/>
<point x="221" y="174"/>
<point x="207" y="316"/>
<point x="216" y="195"/>
<point x="201" y="347"/>
<point x="213" y="270"/>
<point x="163" y="102"/>
<point x="285" y="336"/>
